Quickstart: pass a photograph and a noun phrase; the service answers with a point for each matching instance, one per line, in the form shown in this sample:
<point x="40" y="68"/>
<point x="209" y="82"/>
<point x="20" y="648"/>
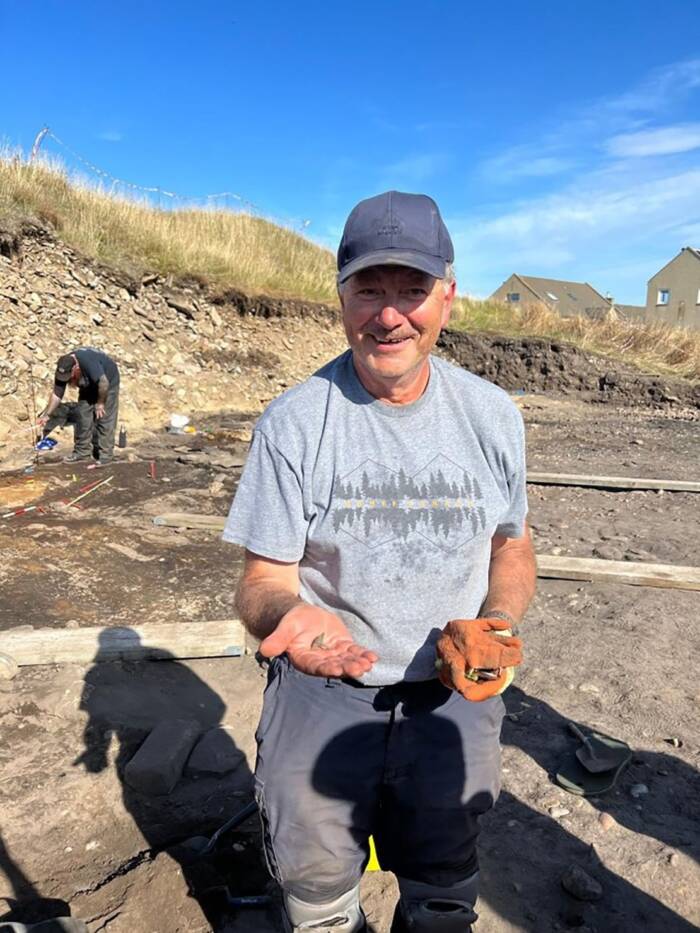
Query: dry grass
<point x="230" y="250"/>
<point x="237" y="250"/>
<point x="655" y="348"/>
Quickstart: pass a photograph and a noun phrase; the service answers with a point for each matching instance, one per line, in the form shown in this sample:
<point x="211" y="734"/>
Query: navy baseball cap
<point x="398" y="229"/>
<point x="64" y="368"/>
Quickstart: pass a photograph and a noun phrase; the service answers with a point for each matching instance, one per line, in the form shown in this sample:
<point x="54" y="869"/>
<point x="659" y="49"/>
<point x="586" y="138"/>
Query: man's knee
<point x="342" y="914"/>
<point x="428" y="908"/>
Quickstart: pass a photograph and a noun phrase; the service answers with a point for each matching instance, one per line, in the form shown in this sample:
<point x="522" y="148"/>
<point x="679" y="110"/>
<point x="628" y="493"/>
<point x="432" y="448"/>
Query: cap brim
<point x="61" y="377"/>
<point x="394" y="257"/>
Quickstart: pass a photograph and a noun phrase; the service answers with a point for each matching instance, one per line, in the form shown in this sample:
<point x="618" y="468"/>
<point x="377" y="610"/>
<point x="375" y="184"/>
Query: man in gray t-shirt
<point x="382" y="509"/>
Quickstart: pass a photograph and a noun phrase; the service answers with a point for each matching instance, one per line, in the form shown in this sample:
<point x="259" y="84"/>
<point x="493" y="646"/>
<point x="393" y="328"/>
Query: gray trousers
<point x="414" y="765"/>
<point x="102" y="428"/>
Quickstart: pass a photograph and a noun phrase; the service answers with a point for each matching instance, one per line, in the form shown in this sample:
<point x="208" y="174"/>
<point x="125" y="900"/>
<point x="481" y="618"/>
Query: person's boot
<point x="342" y="915"/>
<point x="432" y="917"/>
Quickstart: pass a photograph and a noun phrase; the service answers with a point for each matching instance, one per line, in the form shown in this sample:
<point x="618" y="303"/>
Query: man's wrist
<point x="294" y="602"/>
<point x="500" y="614"/>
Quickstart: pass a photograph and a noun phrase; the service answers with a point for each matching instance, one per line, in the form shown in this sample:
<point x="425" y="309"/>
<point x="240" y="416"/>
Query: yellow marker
<point x="373" y="864"/>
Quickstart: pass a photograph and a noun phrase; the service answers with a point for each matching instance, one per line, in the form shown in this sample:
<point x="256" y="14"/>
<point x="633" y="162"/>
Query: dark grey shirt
<point x="93" y="365"/>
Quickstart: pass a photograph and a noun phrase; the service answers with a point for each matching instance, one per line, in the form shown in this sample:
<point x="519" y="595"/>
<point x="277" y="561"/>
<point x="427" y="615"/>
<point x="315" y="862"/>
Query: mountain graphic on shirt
<point x="440" y="502"/>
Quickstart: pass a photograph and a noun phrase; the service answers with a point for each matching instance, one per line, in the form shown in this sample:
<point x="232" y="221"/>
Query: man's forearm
<point x="262" y="604"/>
<point x="102" y="390"/>
<point x="51" y="406"/>
<point x="512" y="577"/>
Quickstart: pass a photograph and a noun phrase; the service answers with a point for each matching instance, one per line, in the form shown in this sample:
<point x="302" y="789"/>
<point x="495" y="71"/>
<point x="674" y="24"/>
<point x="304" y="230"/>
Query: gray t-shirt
<point x="389" y="510"/>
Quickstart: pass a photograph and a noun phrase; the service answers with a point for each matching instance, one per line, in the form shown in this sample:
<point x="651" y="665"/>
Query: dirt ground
<point x="75" y="839"/>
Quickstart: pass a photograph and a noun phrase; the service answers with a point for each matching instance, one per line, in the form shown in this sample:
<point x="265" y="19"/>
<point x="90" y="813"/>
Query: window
<point x="513" y="296"/>
<point x="662" y="296"/>
<point x="697" y="300"/>
<point x="553" y="297"/>
<point x="572" y="296"/>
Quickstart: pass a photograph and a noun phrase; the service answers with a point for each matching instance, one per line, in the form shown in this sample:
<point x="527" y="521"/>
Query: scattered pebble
<point x="8" y="667"/>
<point x="588" y="688"/>
<point x="517" y="887"/>
<point x="639" y="790"/>
<point x="606" y="821"/>
<point x="238" y="847"/>
<point x="580" y="884"/>
<point x="673" y="858"/>
<point x="558" y="811"/>
<point x="93" y="844"/>
<point x="675" y="742"/>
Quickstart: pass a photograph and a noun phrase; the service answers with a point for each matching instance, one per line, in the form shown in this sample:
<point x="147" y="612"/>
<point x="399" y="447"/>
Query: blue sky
<point x="560" y="137"/>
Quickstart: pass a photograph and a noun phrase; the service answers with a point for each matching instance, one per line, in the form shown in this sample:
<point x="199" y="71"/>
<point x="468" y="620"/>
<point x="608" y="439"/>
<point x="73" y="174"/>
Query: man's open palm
<point x="317" y="643"/>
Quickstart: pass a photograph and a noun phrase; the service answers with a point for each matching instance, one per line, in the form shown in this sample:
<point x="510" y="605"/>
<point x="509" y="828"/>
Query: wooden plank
<point x="612" y="482"/>
<point x="28" y="646"/>
<point x="191" y="520"/>
<point x="633" y="573"/>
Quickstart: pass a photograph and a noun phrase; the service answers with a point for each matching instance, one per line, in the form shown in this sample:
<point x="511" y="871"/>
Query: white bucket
<point x="179" y="421"/>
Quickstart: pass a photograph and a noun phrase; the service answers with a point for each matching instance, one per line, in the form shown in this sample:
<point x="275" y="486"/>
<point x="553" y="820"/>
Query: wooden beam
<point x="191" y="520"/>
<point x="618" y="571"/>
<point x="612" y="482"/>
<point x="134" y="642"/>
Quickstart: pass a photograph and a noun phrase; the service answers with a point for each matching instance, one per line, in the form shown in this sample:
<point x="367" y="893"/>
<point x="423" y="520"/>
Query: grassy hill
<point x="236" y="250"/>
<point x="222" y="248"/>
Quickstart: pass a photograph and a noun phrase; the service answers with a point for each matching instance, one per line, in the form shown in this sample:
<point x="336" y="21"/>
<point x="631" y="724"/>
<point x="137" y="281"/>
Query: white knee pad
<point x="427" y="908"/>
<point x="343" y="915"/>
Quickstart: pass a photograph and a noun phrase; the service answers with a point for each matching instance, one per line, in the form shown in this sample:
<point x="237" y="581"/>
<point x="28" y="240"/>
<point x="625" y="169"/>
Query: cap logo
<point x="390" y="229"/>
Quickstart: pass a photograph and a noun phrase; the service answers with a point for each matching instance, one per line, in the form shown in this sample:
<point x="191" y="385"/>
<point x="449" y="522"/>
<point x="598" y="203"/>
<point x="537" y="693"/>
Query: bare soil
<point x="75" y="839"/>
<point x="537" y="364"/>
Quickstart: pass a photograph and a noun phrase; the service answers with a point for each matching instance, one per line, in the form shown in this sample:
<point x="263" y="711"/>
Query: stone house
<point x="673" y="294"/>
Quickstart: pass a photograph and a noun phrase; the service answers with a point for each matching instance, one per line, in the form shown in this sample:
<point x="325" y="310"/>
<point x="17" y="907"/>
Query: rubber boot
<point x="342" y="915"/>
<point x="426" y="908"/>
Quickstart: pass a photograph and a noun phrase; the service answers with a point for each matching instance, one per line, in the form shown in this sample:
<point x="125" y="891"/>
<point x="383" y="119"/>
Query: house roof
<point x="686" y="249"/>
<point x="631" y="311"/>
<point x="568" y="297"/>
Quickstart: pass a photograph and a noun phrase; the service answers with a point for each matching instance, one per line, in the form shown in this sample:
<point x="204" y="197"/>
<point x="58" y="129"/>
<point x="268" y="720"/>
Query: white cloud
<point x="575" y="233"/>
<point x="662" y="86"/>
<point x="599" y="212"/>
<point x="664" y="140"/>
<point x="525" y="162"/>
<point x="111" y="136"/>
<point x="689" y="233"/>
<point x="575" y="141"/>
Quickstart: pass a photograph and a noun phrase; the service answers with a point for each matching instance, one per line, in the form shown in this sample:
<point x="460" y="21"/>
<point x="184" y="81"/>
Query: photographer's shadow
<point x="26" y="905"/>
<point x="125" y="700"/>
